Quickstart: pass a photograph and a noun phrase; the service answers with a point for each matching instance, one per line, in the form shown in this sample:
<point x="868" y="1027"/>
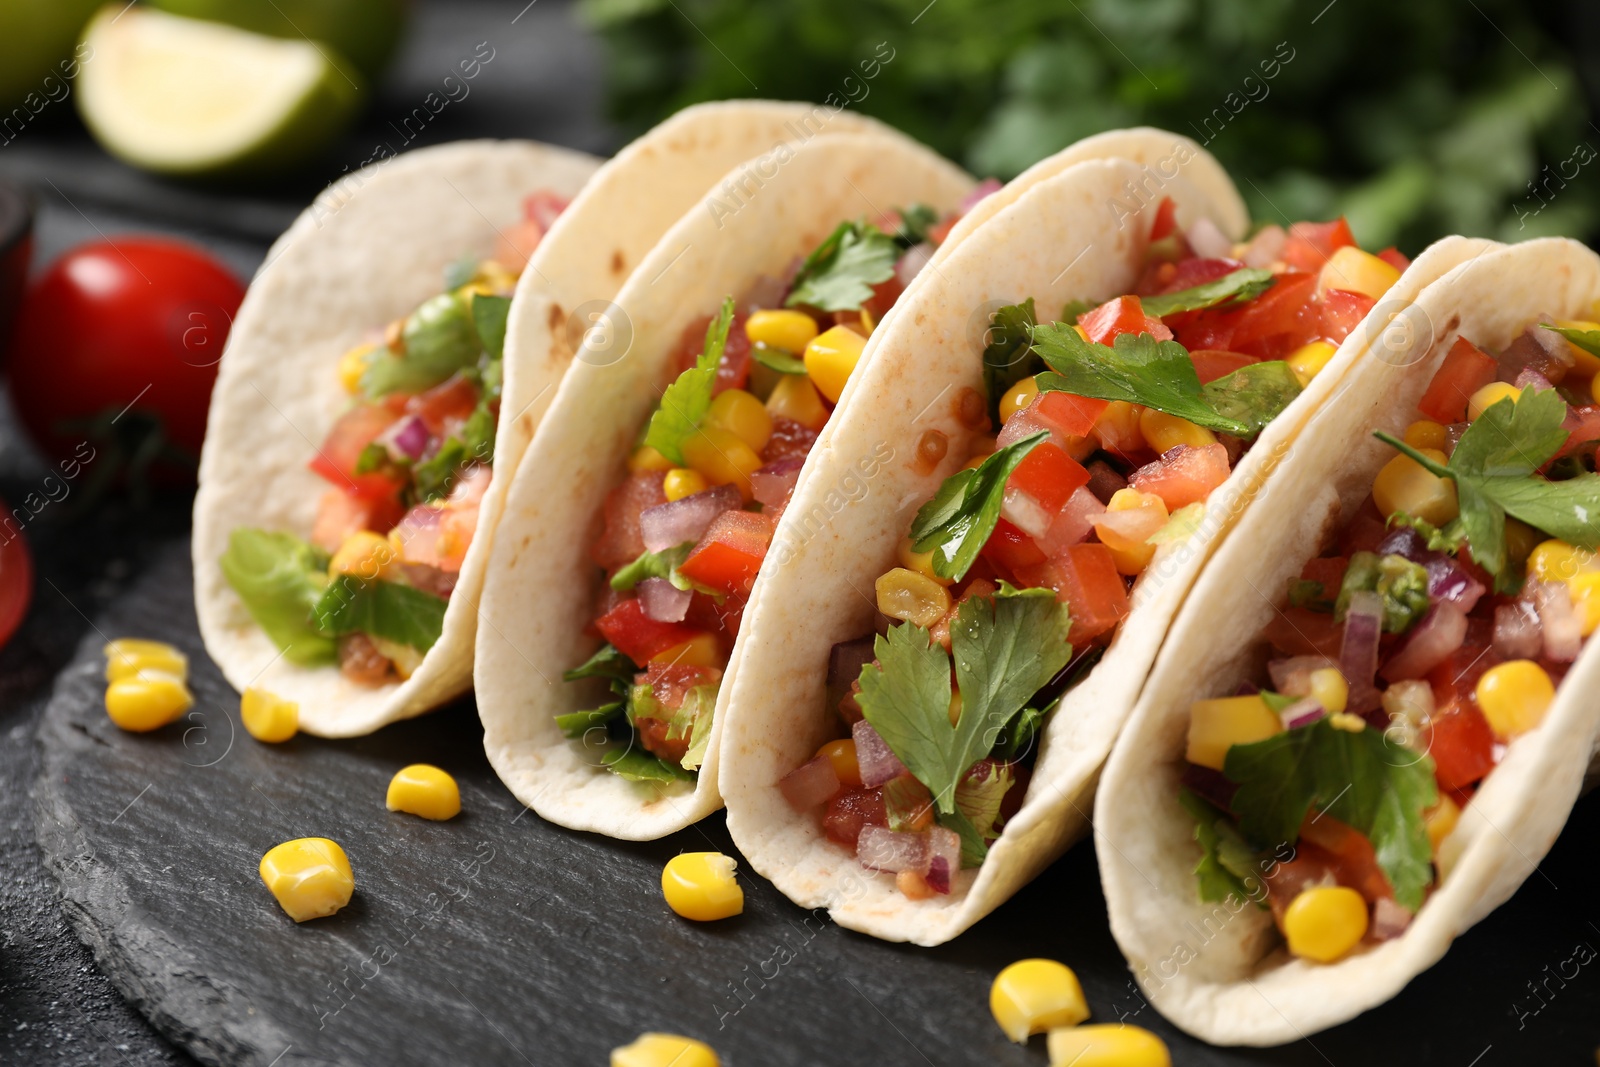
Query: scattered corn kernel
<point x="1217" y="725"/>
<point x="794" y="397"/>
<point x="1441" y="819"/>
<point x="1018" y="397"/>
<point x="1425" y="433"/>
<point x="722" y="457"/>
<point x="782" y="328"/>
<point x="424" y="790"/>
<point x="921" y="562"/>
<point x="842" y="754"/>
<point x="353" y="364"/>
<point x="1406" y="485"/>
<point x="1325" y="922"/>
<point x="267" y="716"/>
<point x="310" y="877"/>
<point x="701" y="650"/>
<point x="1557" y="561"/>
<point x="1585" y="593"/>
<point x="127" y="656"/>
<point x="1330" y="689"/>
<point x="915" y="598"/>
<point x="365" y="554"/>
<point x="1514" y="697"/>
<point x="1489" y="396"/>
<point x="1308" y="360"/>
<point x="1584" y="365"/>
<point x="1163" y="432"/>
<point x="1106" y="1045"/>
<point x="664" y="1050"/>
<point x="742" y="415"/>
<point x="147" y="701"/>
<point x="1355" y="271"/>
<point x="701" y="886"/>
<point x="830" y="358"/>
<point x="681" y="482"/>
<point x="1032" y="996"/>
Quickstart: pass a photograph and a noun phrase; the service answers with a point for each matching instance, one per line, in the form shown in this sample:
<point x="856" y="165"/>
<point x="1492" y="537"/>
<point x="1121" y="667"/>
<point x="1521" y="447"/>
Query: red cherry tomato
<point x="134" y="321"/>
<point x="16" y="578"/>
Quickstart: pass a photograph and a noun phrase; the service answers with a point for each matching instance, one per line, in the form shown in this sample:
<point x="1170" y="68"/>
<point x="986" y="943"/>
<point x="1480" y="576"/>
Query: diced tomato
<point x="1349" y="853"/>
<point x="722" y="618"/>
<point x="883" y="297"/>
<point x="789" y="440"/>
<point x="446" y="405"/>
<point x="1465" y="370"/>
<point x="1395" y="258"/>
<point x="1188" y="273"/>
<point x="340" y="514"/>
<point x="653" y="737"/>
<point x="1123" y="315"/>
<point x="939" y="231"/>
<point x="669" y="682"/>
<point x="1068" y="413"/>
<point x="638" y="636"/>
<point x="1311" y="243"/>
<point x="1184" y="475"/>
<point x="851" y="810"/>
<point x="336" y="459"/>
<point x="729" y="555"/>
<point x="1086" y="577"/>
<point x="1012" y="548"/>
<point x="1166" y="219"/>
<point x="1461" y="743"/>
<point x="1272" y="325"/>
<point x="543" y="207"/>
<point x="1342" y="312"/>
<point x="1310" y="866"/>
<point x="1048" y="475"/>
<point x="1328" y="571"/>
<point x="1212" y="363"/>
<point x="621" y="542"/>
<point x="1303" y="632"/>
<point x="1456" y="677"/>
<point x="1582" y="426"/>
<point x="1364" y="530"/>
<point x="733" y="369"/>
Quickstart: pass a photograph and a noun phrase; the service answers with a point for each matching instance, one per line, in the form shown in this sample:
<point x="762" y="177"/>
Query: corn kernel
<point x="267" y="716"/>
<point x="366" y="555"/>
<point x="1585" y="593"/>
<point x="912" y="885"/>
<point x="1330" y="689"/>
<point x="1556" y="561"/>
<point x="794" y="397"/>
<point x="1325" y="922"/>
<point x="681" y="482"/>
<point x="742" y="415"/>
<point x="1217" y="725"/>
<point x="1131" y="555"/>
<point x="1018" y="397"/>
<point x="310" y="876"/>
<point x="645" y="458"/>
<point x="1163" y="432"/>
<point x="1489" y="396"/>
<point x="1117" y="428"/>
<point x="701" y="886"/>
<point x="1514" y="697"/>
<point x="353" y="364"/>
<point x="1308" y="360"/>
<point x="1355" y="271"/>
<point x="1082" y="333"/>
<point x="722" y="458"/>
<point x="701" y="650"/>
<point x="1441" y="820"/>
<point x="921" y="562"/>
<point x="781" y="328"/>
<point x="1405" y="485"/>
<point x="1031" y="996"/>
<point x="1584" y="365"/>
<point x="147" y="701"/>
<point x="127" y="656"/>
<point x="1425" y="433"/>
<point x="664" y="1050"/>
<point x="424" y="790"/>
<point x="915" y="598"/>
<point x="830" y="358"/>
<point x="1594" y="388"/>
<point x="1106" y="1045"/>
<point x="842" y="754"/>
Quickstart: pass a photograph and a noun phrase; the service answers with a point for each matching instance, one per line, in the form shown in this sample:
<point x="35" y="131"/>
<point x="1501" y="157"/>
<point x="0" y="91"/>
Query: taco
<point x="1143" y="371"/>
<point x="644" y="507"/>
<point x="345" y="513"/>
<point x="1374" y="713"/>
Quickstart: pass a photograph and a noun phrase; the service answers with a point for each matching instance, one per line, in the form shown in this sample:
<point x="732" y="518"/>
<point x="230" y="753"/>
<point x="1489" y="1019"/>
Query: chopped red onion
<point x="1358" y="653"/>
<point x="845" y="661"/>
<point x="1207" y="241"/>
<point x="1442" y="630"/>
<point x="1449" y="581"/>
<point x="1528" y="376"/>
<point x="1302" y="712"/>
<point x="663" y="601"/>
<point x="1542" y="352"/>
<point x="1292" y="676"/>
<point x="810" y="784"/>
<point x="1517" y="633"/>
<point x="1389" y="919"/>
<point x="986" y="188"/>
<point x="1104" y="481"/>
<point x="774" y="483"/>
<point x="882" y="849"/>
<point x="666" y="525"/>
<point x="1210" y="784"/>
<point x="877" y="761"/>
<point x="944" y="858"/>
<point x="1071" y="525"/>
<point x="1405" y="541"/>
<point x="1265" y="246"/>
<point x="910" y="265"/>
<point x="1563" y="630"/>
<point x="406" y="439"/>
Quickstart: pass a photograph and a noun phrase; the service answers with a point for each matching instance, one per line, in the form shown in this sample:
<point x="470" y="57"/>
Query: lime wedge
<point x="187" y="97"/>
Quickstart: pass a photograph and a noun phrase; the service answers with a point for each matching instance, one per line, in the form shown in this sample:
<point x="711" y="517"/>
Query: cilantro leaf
<point x="1253" y="396"/>
<point x="1446" y="540"/>
<point x="686" y="401"/>
<point x="1588" y="340"/>
<point x="839" y="273"/>
<point x="663" y="564"/>
<point x="777" y="359"/>
<point x="958" y="520"/>
<point x="1227" y="863"/>
<point x="979" y="793"/>
<point x="1073" y="310"/>
<point x="1513" y="437"/>
<point x="379" y="608"/>
<point x="974" y="848"/>
<point x="915" y="222"/>
<point x="609" y="663"/>
<point x="1360" y="778"/>
<point x="1241" y="285"/>
<point x="1313" y="596"/>
<point x="1401" y="584"/>
<point x="437" y="340"/>
<point x="1006" y="589"/>
<point x="433" y="478"/>
<point x="1008" y="355"/>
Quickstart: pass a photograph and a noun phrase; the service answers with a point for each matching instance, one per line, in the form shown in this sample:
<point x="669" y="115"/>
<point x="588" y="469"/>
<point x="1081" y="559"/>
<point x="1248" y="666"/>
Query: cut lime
<point x="365" y="31"/>
<point x="181" y="96"/>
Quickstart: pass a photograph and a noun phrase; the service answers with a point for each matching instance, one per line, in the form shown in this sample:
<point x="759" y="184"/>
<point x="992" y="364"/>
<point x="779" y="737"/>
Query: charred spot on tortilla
<point x="617" y="262"/>
<point x="553" y="319"/>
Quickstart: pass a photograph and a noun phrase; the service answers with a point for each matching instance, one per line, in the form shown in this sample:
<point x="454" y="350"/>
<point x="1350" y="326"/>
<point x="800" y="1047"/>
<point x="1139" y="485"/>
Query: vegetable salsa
<point x="407" y="464"/>
<point x="1430" y="635"/>
<point x="1116" y="423"/>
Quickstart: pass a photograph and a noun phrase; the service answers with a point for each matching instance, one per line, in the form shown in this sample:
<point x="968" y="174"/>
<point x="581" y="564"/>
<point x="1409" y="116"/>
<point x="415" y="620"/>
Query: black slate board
<point x="498" y="938"/>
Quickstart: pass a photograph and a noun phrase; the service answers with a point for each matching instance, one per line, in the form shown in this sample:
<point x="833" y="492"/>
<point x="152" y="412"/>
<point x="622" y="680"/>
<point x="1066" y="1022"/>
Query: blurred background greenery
<point x="1416" y="118"/>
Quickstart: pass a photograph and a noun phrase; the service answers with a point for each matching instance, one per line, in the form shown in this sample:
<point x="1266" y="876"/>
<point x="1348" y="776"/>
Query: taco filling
<point x="1431" y="635"/>
<point x="407" y="463"/>
<point x="684" y="535"/>
<point x="1115" y="424"/>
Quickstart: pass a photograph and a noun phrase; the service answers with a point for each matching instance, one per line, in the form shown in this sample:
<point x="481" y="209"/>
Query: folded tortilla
<point x="1219" y="971"/>
<point x="545" y="586"/>
<point x="1076" y="233"/>
<point x="369" y="250"/>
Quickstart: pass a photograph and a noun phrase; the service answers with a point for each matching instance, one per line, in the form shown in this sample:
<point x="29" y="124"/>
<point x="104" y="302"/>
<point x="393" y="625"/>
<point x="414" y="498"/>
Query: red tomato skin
<point x="1213" y="363"/>
<point x="1272" y="325"/>
<point x="1125" y="314"/>
<point x="1349" y="853"/>
<point x="1011" y="548"/>
<point x="1086" y="577"/>
<point x="638" y="636"/>
<point x="136" y="321"/>
<point x="444" y="406"/>
<point x="1395" y="258"/>
<point x="1328" y="570"/>
<point x="849" y="811"/>
<point x="1311" y="243"/>
<point x="336" y="459"/>
<point x="729" y="556"/>
<point x="1342" y="312"/>
<point x="1303" y="632"/>
<point x="1465" y="370"/>
<point x="1166" y="219"/>
<point x="16" y="576"/>
<point x="1048" y="475"/>
<point x="1070" y="414"/>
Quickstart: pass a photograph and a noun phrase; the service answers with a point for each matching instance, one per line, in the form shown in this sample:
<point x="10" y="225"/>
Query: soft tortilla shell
<point x="1202" y="965"/>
